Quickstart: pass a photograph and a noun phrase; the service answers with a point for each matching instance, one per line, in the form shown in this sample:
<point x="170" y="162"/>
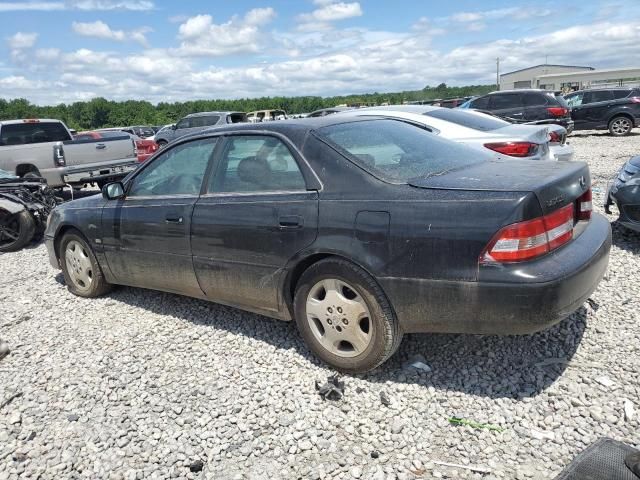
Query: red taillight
<point x="635" y="99"/>
<point x="558" y="111"/>
<point x="554" y="137"/>
<point x="530" y="239"/>
<point x="514" y="149"/>
<point x="585" y="206"/>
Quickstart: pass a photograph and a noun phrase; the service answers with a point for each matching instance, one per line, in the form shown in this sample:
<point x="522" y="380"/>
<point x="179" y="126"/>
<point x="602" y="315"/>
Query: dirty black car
<point x="359" y="229"/>
<point x="25" y="204"/>
<point x="624" y="191"/>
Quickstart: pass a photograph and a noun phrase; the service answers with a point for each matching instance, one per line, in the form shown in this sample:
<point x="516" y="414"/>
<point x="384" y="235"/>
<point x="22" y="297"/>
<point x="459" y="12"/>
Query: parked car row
<point x="613" y="109"/>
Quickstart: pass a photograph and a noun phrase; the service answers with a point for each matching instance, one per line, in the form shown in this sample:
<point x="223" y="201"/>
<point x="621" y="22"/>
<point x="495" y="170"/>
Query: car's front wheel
<point x="82" y="274"/>
<point x="344" y="316"/>
<point x="161" y="143"/>
<point x="16" y="230"/>
<point x="620" y="126"/>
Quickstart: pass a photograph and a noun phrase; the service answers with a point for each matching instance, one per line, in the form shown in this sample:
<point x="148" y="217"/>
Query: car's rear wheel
<point x="16" y="230"/>
<point x="620" y="126"/>
<point x="81" y="270"/>
<point x="344" y="316"/>
<point x="161" y="143"/>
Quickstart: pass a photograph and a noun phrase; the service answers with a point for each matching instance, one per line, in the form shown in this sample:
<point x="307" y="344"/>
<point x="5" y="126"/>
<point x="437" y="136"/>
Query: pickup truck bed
<point x="46" y="148"/>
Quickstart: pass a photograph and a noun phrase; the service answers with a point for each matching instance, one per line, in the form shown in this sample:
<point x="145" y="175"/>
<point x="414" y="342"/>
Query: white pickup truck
<point x="45" y="148"/>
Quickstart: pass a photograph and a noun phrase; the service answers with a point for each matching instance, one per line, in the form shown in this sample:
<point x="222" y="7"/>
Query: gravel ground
<point x="141" y="384"/>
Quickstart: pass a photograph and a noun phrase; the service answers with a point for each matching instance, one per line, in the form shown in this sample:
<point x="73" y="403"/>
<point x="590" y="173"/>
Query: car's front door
<point x="256" y="214"/>
<point x="578" y="111"/>
<point x="598" y="107"/>
<point x="147" y="234"/>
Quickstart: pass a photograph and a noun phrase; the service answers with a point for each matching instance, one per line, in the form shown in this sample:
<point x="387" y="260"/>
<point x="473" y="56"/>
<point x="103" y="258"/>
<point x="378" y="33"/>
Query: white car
<point x="476" y="129"/>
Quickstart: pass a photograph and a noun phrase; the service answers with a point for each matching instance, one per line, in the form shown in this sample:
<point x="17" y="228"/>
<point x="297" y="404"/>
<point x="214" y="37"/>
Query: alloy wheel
<point x="78" y="265"/>
<point x="621" y="126"/>
<point x="9" y="229"/>
<point x="339" y="318"/>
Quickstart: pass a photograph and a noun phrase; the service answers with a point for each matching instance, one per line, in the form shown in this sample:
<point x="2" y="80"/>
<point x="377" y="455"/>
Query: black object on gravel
<point x="333" y="389"/>
<point x="603" y="460"/>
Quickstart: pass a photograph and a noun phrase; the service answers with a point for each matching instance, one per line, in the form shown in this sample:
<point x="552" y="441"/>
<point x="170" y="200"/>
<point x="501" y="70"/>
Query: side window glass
<point x="213" y="120"/>
<point x="481" y="103"/>
<point x="506" y="100"/>
<point x="601" y="96"/>
<point x="617" y="94"/>
<point x="178" y="171"/>
<point x="184" y="123"/>
<point x="257" y="164"/>
<point x="534" y="100"/>
<point x="575" y="100"/>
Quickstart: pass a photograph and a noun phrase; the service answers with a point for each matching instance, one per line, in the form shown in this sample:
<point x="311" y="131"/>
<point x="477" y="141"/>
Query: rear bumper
<point x="507" y="299"/>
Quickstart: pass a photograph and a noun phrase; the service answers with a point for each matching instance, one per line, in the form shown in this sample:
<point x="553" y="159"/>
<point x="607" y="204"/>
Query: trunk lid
<point x="554" y="184"/>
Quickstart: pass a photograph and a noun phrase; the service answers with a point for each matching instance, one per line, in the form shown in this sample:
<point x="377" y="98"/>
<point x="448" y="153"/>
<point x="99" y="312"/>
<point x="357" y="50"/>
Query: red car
<point x="144" y="147"/>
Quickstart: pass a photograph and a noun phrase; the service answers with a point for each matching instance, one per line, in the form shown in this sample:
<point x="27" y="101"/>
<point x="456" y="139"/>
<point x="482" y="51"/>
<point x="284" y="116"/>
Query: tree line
<point x="100" y="112"/>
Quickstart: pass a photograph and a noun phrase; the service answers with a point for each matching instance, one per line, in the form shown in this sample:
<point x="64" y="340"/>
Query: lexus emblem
<point x="583" y="182"/>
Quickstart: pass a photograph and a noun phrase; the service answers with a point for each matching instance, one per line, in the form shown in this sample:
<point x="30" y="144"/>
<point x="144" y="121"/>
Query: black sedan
<point x="359" y="229"/>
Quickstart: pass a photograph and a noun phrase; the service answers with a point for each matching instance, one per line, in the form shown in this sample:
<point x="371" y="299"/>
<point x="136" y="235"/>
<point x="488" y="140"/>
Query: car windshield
<point x="5" y="174"/>
<point x="481" y="122"/>
<point x="397" y="152"/>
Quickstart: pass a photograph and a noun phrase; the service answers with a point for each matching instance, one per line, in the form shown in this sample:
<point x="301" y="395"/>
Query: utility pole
<point x="498" y="73"/>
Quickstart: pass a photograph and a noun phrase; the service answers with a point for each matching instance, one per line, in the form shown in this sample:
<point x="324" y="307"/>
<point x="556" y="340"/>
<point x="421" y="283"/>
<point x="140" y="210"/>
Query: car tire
<point x="82" y="273"/>
<point x="620" y="126"/>
<point x="161" y="143"/>
<point x="352" y="326"/>
<point x="20" y="225"/>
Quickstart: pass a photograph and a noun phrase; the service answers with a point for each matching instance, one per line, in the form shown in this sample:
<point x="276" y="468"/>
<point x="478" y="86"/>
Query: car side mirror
<point x="113" y="191"/>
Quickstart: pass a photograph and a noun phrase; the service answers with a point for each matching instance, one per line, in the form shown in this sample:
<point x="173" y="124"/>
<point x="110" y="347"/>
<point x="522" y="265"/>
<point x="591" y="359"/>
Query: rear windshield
<point x="237" y="118"/>
<point x="561" y="100"/>
<point x="397" y="152"/>
<point x="484" y="123"/>
<point x="37" y="132"/>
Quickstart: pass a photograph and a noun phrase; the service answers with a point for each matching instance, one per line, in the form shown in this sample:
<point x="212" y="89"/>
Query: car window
<point x="396" y="151"/>
<point x="477" y="121"/>
<point x="505" y="100"/>
<point x="574" y="100"/>
<point x="178" y="171"/>
<point x="481" y="103"/>
<point x="599" y="96"/>
<point x="184" y="123"/>
<point x="617" y="94"/>
<point x="33" y="132"/>
<point x="532" y="99"/>
<point x="257" y="163"/>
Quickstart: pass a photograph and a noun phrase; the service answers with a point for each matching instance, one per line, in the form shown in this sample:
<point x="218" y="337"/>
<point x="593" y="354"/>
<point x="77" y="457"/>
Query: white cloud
<point x="91" y="80"/>
<point x="22" y="40"/>
<point x="201" y="37"/>
<point x="329" y="11"/>
<point x="518" y="13"/>
<point x="87" y="5"/>
<point x="99" y="29"/>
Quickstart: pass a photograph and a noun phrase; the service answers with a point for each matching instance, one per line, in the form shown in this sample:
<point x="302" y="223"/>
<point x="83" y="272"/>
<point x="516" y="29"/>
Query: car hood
<point x="94" y="201"/>
<point x="553" y="183"/>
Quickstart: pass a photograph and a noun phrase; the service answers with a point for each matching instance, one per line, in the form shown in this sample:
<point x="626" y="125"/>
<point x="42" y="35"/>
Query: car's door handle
<point x="176" y="220"/>
<point x="290" y="221"/>
<point x="101" y="146"/>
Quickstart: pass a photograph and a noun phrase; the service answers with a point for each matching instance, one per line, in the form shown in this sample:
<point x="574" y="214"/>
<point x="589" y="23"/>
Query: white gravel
<point x="143" y="384"/>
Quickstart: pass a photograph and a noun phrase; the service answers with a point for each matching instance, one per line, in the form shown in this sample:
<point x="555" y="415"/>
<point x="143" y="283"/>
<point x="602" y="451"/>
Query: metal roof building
<point x="527" y="77"/>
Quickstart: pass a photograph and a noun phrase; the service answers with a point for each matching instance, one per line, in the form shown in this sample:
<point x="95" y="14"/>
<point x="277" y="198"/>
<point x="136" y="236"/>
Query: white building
<point x="568" y="77"/>
<point x="527" y="77"/>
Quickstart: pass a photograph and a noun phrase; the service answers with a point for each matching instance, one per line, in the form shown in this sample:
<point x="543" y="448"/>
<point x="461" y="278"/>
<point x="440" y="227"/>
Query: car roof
<point x="200" y="114"/>
<point x="294" y="129"/>
<point x="604" y="89"/>
<point x="29" y="120"/>
<point x="522" y="90"/>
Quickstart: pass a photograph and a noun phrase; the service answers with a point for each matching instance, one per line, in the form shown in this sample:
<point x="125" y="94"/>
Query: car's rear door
<point x="507" y="105"/>
<point x="147" y="234"/>
<point x="596" y="107"/>
<point x="258" y="211"/>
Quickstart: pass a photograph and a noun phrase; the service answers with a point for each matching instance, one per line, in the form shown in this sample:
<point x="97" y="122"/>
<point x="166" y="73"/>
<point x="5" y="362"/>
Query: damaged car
<point x="624" y="191"/>
<point x="25" y="205"/>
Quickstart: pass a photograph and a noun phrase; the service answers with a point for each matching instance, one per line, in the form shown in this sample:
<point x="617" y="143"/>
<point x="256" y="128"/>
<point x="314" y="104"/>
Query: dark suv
<point x="615" y="109"/>
<point x="525" y="106"/>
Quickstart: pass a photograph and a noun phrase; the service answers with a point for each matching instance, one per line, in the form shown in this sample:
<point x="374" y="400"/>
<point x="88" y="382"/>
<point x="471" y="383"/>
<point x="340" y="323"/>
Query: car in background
<point x="359" y="229"/>
<point x="156" y="128"/>
<point x="45" y="148"/>
<point x="145" y="147"/>
<point x="197" y="122"/>
<point x="266" y="116"/>
<point x="525" y="106"/>
<point x="528" y="142"/>
<point x="328" y="111"/>
<point x="613" y="109"/>
<point x="624" y="191"/>
<point x="139" y="131"/>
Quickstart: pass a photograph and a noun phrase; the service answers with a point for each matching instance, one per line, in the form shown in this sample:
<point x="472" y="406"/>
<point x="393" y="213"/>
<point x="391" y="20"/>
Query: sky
<point x="68" y="50"/>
